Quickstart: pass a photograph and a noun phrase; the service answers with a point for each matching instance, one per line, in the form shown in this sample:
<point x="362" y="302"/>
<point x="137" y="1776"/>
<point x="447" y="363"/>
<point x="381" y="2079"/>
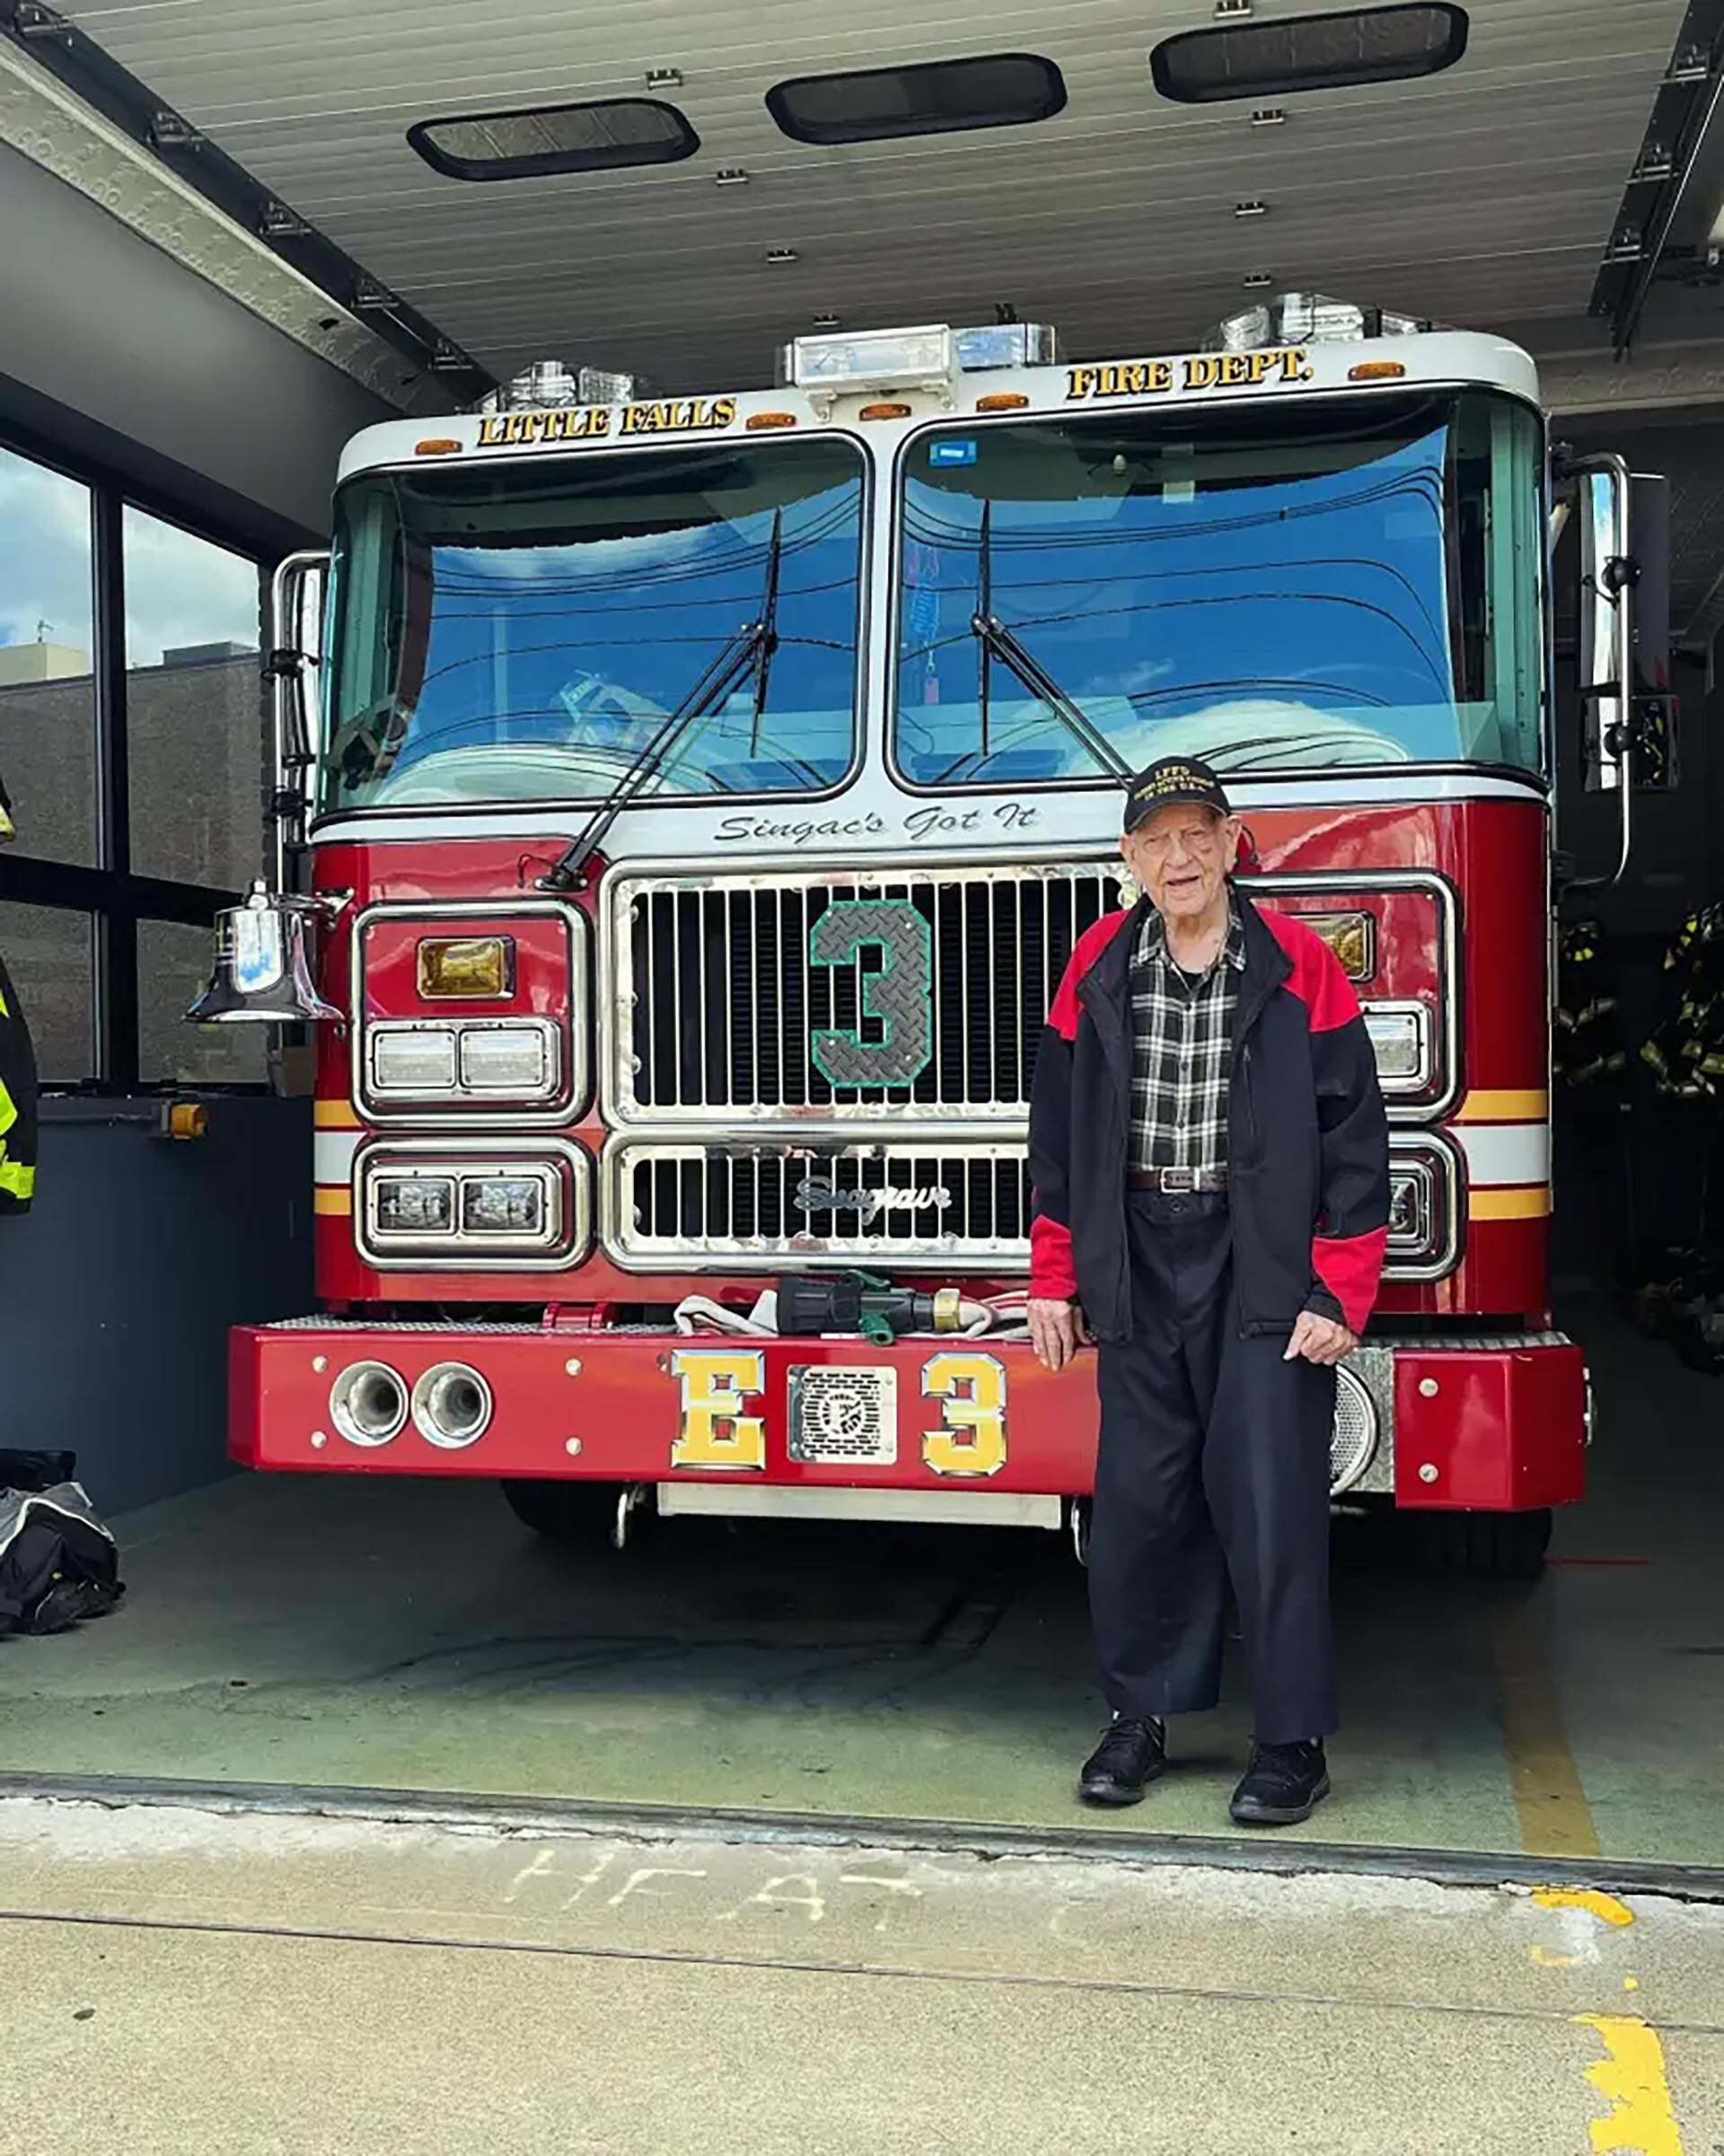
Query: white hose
<point x="700" y="1313"/>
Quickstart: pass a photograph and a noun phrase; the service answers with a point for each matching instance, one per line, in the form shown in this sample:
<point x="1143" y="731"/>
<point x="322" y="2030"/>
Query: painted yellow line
<point x="333" y="1201"/>
<point x="334" y="1115"/>
<point x="1632" y="2076"/>
<point x="1504" y="1108"/>
<point x="1529" y="1204"/>
<point x="1556" y="1818"/>
<point x="1606" y="1907"/>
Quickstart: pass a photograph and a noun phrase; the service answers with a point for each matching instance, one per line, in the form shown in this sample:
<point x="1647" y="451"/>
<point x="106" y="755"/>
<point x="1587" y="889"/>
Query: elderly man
<point x="1209" y="1158"/>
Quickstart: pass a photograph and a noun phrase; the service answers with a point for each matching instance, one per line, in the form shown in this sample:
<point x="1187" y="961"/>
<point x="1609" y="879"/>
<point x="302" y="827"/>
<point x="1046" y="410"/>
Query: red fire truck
<point x="701" y="799"/>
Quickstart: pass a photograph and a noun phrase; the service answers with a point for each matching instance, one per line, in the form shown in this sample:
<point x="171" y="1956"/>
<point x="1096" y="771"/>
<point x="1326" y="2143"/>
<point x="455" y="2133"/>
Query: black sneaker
<point x="1132" y="1754"/>
<point x="1283" y="1784"/>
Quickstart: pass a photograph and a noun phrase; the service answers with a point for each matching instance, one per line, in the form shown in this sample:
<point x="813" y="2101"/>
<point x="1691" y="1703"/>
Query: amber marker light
<point x="1003" y="401"/>
<point x="1378" y="370"/>
<point x="884" y="411"/>
<point x="1352" y="937"/>
<point x="760" y="423"/>
<point x="438" y="446"/>
<point x="471" y="967"/>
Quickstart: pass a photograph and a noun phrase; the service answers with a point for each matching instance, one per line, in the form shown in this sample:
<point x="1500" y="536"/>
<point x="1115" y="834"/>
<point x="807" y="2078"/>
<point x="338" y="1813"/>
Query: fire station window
<point x="876" y="104"/>
<point x="193" y="707"/>
<point x="47" y="696"/>
<point x="49" y="953"/>
<point x="1308" y="52"/>
<point x="173" y="967"/>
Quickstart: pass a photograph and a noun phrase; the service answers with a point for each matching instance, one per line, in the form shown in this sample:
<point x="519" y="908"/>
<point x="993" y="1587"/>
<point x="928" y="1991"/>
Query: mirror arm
<point x="292" y="753"/>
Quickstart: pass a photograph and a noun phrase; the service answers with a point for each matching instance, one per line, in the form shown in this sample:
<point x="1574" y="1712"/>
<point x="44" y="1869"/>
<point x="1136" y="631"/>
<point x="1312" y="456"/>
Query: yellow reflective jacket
<point x="17" y="1103"/>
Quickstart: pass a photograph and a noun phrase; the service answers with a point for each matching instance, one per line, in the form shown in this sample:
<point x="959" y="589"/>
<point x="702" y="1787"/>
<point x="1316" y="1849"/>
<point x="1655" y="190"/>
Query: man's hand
<point x="1320" y="1340"/>
<point x="1057" y="1330"/>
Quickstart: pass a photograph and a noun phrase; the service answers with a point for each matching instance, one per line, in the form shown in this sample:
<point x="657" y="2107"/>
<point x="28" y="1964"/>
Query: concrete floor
<point x="409" y="1636"/>
<point x="262" y="1985"/>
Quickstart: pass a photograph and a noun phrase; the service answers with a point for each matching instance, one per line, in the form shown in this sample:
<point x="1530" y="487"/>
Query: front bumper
<point x="1493" y="1424"/>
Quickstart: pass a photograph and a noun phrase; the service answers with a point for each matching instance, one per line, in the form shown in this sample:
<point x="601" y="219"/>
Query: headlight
<point x="413" y="1058"/>
<point x="414" y="1205"/>
<point x="1424" y="1200"/>
<point x="421" y="1205"/>
<point x="1410" y="1212"/>
<point x="1400" y="1037"/>
<point x="512" y="1059"/>
<point x="502" y="1205"/>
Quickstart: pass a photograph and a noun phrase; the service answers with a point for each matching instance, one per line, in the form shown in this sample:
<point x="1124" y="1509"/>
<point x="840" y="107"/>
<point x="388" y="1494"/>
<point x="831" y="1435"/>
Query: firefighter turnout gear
<point x="17" y="1103"/>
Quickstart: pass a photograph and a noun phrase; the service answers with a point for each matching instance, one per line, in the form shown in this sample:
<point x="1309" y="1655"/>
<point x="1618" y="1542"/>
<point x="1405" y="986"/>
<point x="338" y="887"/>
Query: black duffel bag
<point x="58" y="1561"/>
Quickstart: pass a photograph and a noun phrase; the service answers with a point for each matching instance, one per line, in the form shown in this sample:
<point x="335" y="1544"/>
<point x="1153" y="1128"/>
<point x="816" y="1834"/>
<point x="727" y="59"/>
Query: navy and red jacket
<point x="1307" y="1140"/>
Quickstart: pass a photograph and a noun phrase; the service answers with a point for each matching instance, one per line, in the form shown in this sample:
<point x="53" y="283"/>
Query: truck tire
<point x="1485" y="1546"/>
<point x="564" y="1511"/>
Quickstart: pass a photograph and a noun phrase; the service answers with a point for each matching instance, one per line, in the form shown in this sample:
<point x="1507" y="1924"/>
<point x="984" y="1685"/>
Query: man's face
<point x="1179" y="856"/>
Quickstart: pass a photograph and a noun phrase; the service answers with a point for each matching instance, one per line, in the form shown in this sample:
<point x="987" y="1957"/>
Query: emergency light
<point x="1298" y="318"/>
<point x="866" y="361"/>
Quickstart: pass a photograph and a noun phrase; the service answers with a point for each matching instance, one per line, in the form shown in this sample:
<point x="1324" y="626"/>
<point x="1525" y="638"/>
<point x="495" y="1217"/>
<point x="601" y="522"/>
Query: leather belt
<point x="1180" y="1182"/>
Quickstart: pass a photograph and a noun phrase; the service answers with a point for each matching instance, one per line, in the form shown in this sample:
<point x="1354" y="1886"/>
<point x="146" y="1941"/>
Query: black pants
<point x="1214" y="1461"/>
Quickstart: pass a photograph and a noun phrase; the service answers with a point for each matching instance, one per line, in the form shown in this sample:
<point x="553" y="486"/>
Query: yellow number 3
<point x="971" y="1436"/>
<point x="715" y="1432"/>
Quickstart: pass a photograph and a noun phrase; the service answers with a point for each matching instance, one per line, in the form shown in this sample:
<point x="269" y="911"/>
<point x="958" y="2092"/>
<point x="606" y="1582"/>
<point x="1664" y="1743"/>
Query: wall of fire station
<point x="159" y="444"/>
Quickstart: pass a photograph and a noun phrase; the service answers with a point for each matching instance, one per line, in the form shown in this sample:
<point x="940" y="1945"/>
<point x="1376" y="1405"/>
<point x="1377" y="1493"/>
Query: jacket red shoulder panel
<point x="1317" y="979"/>
<point x="1062" y="1014"/>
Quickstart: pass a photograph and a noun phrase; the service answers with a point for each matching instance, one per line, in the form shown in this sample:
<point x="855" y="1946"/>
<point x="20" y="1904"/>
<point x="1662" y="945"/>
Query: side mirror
<point x="1606" y="643"/>
<point x="1624" y="640"/>
<point x="293" y="667"/>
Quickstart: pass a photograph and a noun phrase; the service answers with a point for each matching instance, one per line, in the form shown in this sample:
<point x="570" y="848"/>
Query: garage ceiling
<point x="1485" y="195"/>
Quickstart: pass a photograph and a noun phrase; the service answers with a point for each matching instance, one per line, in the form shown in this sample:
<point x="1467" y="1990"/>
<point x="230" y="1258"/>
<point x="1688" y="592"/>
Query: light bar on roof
<point x="1005" y="344"/>
<point x="872" y="359"/>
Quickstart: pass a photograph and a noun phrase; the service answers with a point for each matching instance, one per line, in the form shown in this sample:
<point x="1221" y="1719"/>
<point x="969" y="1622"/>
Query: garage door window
<point x="131" y="742"/>
<point x="47" y="683"/>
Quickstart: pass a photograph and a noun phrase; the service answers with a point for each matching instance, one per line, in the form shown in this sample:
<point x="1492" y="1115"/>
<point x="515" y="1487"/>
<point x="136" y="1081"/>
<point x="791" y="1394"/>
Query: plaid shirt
<point x="1182" y="1052"/>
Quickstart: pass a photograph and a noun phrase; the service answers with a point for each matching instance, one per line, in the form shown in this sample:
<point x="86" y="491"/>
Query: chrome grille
<point x="720" y="1006"/>
<point x="817" y="1203"/>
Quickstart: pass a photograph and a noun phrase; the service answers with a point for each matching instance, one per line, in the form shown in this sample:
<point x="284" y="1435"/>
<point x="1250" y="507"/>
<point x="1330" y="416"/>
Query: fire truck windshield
<point x="1350" y="582"/>
<point x="522" y="631"/>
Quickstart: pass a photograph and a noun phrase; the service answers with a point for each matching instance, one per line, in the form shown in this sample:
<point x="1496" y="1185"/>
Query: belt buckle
<point x="1179" y="1180"/>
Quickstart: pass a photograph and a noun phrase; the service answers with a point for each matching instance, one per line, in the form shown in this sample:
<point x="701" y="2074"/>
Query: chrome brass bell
<point x="262" y="975"/>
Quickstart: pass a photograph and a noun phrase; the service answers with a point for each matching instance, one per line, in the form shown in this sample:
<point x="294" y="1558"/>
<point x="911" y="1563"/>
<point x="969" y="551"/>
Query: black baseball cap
<point x="1174" y="778"/>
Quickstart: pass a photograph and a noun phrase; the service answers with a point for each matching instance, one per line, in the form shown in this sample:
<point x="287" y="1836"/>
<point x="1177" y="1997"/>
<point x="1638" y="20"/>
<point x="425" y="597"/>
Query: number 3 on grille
<point x="971" y="1436"/>
<point x="898" y="996"/>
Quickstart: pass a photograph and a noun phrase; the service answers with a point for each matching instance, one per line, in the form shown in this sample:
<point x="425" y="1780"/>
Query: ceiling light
<point x="730" y="175"/>
<point x="534" y="142"/>
<point x="1257" y="281"/>
<point x="935" y="97"/>
<point x="825" y="320"/>
<point x="1238" y="59"/>
<point x="1268" y="116"/>
<point x="779" y="256"/>
<point x="664" y="78"/>
<point x="1254" y="207"/>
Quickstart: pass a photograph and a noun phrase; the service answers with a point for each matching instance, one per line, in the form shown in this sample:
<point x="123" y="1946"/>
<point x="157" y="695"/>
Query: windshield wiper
<point x="999" y="642"/>
<point x="748" y="651"/>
